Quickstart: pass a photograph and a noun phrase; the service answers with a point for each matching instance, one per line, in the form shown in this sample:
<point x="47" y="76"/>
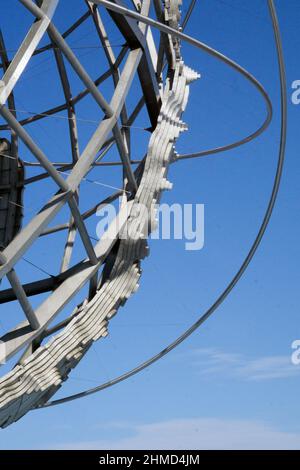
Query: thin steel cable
<point x="37" y="267"/>
<point x="75" y="47"/>
<point x="58" y="116"/>
<point x="96" y="182"/>
<point x="250" y="254"/>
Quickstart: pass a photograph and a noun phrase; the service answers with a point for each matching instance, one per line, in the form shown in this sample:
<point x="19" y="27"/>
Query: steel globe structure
<point x="149" y="60"/>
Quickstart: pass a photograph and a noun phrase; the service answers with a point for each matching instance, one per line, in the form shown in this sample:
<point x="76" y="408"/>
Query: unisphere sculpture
<point x="164" y="80"/>
<point x="112" y="267"/>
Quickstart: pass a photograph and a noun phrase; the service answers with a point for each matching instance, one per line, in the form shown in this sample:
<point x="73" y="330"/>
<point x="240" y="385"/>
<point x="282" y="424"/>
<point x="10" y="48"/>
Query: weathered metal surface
<point x="11" y="194"/>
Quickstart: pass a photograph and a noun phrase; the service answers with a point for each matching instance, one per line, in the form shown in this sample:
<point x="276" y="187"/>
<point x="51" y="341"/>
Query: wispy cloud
<point x="211" y="362"/>
<point x="202" y="433"/>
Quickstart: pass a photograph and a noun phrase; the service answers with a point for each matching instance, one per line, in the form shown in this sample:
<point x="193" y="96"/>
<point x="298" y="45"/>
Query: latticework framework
<point x="112" y="264"/>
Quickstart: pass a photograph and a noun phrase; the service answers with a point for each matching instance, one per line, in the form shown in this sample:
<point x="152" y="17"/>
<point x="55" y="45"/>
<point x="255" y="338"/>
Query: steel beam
<point x="22" y="298"/>
<point x="36" y="151"/>
<point x="27" y="49"/>
<point x="47" y="311"/>
<point x="137" y="38"/>
<point x="32" y="231"/>
<point x="74" y="62"/>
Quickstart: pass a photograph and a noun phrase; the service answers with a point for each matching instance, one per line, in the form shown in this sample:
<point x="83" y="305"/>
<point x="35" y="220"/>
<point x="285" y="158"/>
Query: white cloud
<point x="211" y="362"/>
<point x="202" y="433"/>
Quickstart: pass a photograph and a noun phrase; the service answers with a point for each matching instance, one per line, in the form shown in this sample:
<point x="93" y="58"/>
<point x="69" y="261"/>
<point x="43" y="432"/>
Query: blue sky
<point x="232" y="384"/>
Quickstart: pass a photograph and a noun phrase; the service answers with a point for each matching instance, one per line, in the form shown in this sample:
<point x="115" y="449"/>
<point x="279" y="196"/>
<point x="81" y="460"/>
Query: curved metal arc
<point x="200" y="45"/>
<point x="184" y="37"/>
<point x="249" y="256"/>
<point x="225" y="148"/>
